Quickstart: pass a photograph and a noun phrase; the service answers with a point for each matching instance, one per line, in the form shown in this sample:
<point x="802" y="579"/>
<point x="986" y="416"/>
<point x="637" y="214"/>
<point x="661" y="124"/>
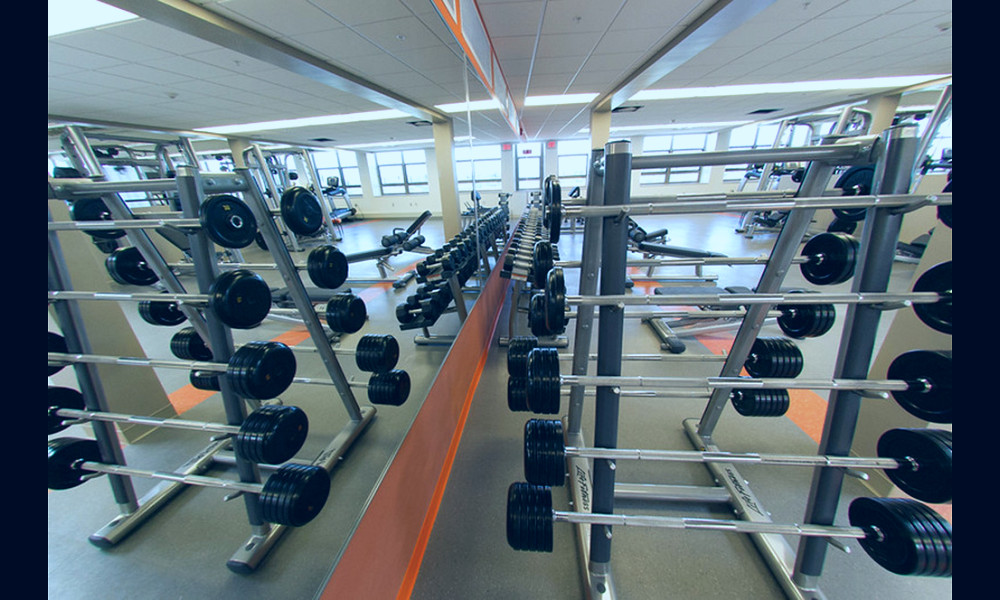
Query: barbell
<point x="918" y="461"/>
<point x="326" y="265"/>
<point x="377" y="353"/>
<point x="293" y="495"/>
<point x="272" y="434"/>
<point x="241" y="299"/>
<point x="902" y="535"/>
<point x="919" y="380"/>
<point x="226" y="219"/>
<point x="931" y="299"/>
<point x="257" y="370"/>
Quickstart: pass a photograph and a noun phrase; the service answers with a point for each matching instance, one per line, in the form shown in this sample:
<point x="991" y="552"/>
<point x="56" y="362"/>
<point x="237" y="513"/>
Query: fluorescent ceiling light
<point x="73" y="15"/>
<point x="784" y="88"/>
<point x="559" y="99"/>
<point x="374" y="115"/>
<point x="462" y="138"/>
<point x="714" y="126"/>
<point x="455" y="107"/>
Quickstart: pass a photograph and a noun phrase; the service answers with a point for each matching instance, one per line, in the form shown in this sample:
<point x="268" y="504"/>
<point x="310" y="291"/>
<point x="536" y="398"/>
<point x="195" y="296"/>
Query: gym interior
<point x="555" y="299"/>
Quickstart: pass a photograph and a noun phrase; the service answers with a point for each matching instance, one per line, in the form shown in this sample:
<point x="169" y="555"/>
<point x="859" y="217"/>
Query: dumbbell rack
<point x="189" y="184"/>
<point x="484" y="248"/>
<point x="594" y="489"/>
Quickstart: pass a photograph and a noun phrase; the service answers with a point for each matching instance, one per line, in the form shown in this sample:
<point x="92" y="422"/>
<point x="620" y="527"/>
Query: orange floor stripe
<point x="188" y="397"/>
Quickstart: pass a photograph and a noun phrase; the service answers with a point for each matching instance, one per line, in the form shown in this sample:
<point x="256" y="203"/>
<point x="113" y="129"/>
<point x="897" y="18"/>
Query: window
<point x="528" y="166"/>
<point x="216" y="163"/>
<point x="669" y="144"/>
<point x="753" y="137"/>
<point x="941" y="142"/>
<point x="574" y="159"/>
<point x="342" y="164"/>
<point x="479" y="164"/>
<point x="402" y="172"/>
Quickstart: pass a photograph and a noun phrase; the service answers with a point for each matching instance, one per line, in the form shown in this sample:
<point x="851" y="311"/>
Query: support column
<point x="600" y="129"/>
<point x="883" y="109"/>
<point x="444" y="153"/>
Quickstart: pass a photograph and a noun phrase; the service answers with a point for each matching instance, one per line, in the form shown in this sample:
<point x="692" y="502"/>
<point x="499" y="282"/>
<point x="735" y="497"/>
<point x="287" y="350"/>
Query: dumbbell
<point x="931" y="299"/>
<point x="271" y="434"/>
<point x="374" y="352"/>
<point x="428" y="303"/>
<point x="903" y="536"/>
<point x="918" y="461"/>
<point x="241" y="299"/>
<point x="226" y="219"/>
<point x="293" y="495"/>
<point x="919" y="381"/>
<point x="256" y="370"/>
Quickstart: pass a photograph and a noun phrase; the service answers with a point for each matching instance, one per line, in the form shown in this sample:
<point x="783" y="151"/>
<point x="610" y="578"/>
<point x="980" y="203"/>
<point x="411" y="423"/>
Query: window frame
<point x="407" y="185"/>
<point x="674" y="175"/>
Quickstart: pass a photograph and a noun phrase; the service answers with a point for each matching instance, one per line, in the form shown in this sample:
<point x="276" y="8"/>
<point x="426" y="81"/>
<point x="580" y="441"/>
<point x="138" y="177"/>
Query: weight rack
<point x="593" y="490"/>
<point x="189" y="184"/>
<point x="485" y="247"/>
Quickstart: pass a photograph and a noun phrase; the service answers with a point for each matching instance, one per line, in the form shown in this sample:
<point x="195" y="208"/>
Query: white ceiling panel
<point x="147" y="73"/>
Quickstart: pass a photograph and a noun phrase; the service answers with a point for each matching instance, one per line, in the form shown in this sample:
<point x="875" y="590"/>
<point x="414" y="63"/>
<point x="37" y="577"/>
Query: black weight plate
<point x="543" y="381"/>
<point x="937" y="316"/>
<point x="925" y="552"/>
<point x="391" y="388"/>
<point x="544" y="452"/>
<point x="944" y="211"/>
<point x="893" y="548"/>
<point x="261" y="370"/>
<point x="939" y="531"/>
<point x="529" y="517"/>
<point x="536" y="316"/>
<point x="186" y="344"/>
<point x="377" y="353"/>
<point x="555" y="222"/>
<point x="327" y="267"/>
<point x="156" y="312"/>
<point x="832" y="258"/>
<point x="856" y="181"/>
<point x="205" y="380"/>
<point x="517" y="354"/>
<point x="57" y="343"/>
<point x="301" y="211"/>
<point x="517" y="394"/>
<point x="931" y="402"/>
<point x="127" y="266"/>
<point x="760" y="402"/>
<point x="555" y="301"/>
<point x="842" y="226"/>
<point x="228" y="221"/>
<point x="930" y="481"/>
<point x="94" y="209"/>
<point x="294" y="495"/>
<point x="63" y="452"/>
<point x="259" y="239"/>
<point x="240" y="298"/>
<point x="62" y="397"/>
<point x="541" y="262"/>
<point x="346" y="313"/>
<point x="272" y="434"/>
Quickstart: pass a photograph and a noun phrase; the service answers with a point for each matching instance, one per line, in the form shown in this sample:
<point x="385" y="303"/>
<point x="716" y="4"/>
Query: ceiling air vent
<point x="763" y="111"/>
<point x="321" y="140"/>
<point x="626" y="109"/>
<point x="419" y="123"/>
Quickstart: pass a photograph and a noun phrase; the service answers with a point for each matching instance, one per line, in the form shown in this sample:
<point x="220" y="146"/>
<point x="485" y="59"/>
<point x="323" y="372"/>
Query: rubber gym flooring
<point x="181" y="551"/>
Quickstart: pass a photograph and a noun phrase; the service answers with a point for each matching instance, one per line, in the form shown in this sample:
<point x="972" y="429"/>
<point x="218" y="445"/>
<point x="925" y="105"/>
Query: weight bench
<point x="670" y="339"/>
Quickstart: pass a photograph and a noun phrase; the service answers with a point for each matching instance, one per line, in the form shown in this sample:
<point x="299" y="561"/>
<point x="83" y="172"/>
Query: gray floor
<point x="181" y="553"/>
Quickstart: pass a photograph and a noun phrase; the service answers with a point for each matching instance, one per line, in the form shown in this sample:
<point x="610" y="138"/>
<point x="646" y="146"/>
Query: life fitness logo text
<point x="743" y="492"/>
<point x="583" y="479"/>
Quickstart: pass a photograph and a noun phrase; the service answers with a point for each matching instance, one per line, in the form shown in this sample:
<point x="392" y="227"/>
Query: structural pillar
<point x="444" y="153"/>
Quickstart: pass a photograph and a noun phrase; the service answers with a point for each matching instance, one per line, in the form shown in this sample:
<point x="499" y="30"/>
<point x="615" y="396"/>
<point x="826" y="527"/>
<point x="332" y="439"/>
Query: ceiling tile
<point x="505" y="19"/>
<point x="359" y="13"/>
